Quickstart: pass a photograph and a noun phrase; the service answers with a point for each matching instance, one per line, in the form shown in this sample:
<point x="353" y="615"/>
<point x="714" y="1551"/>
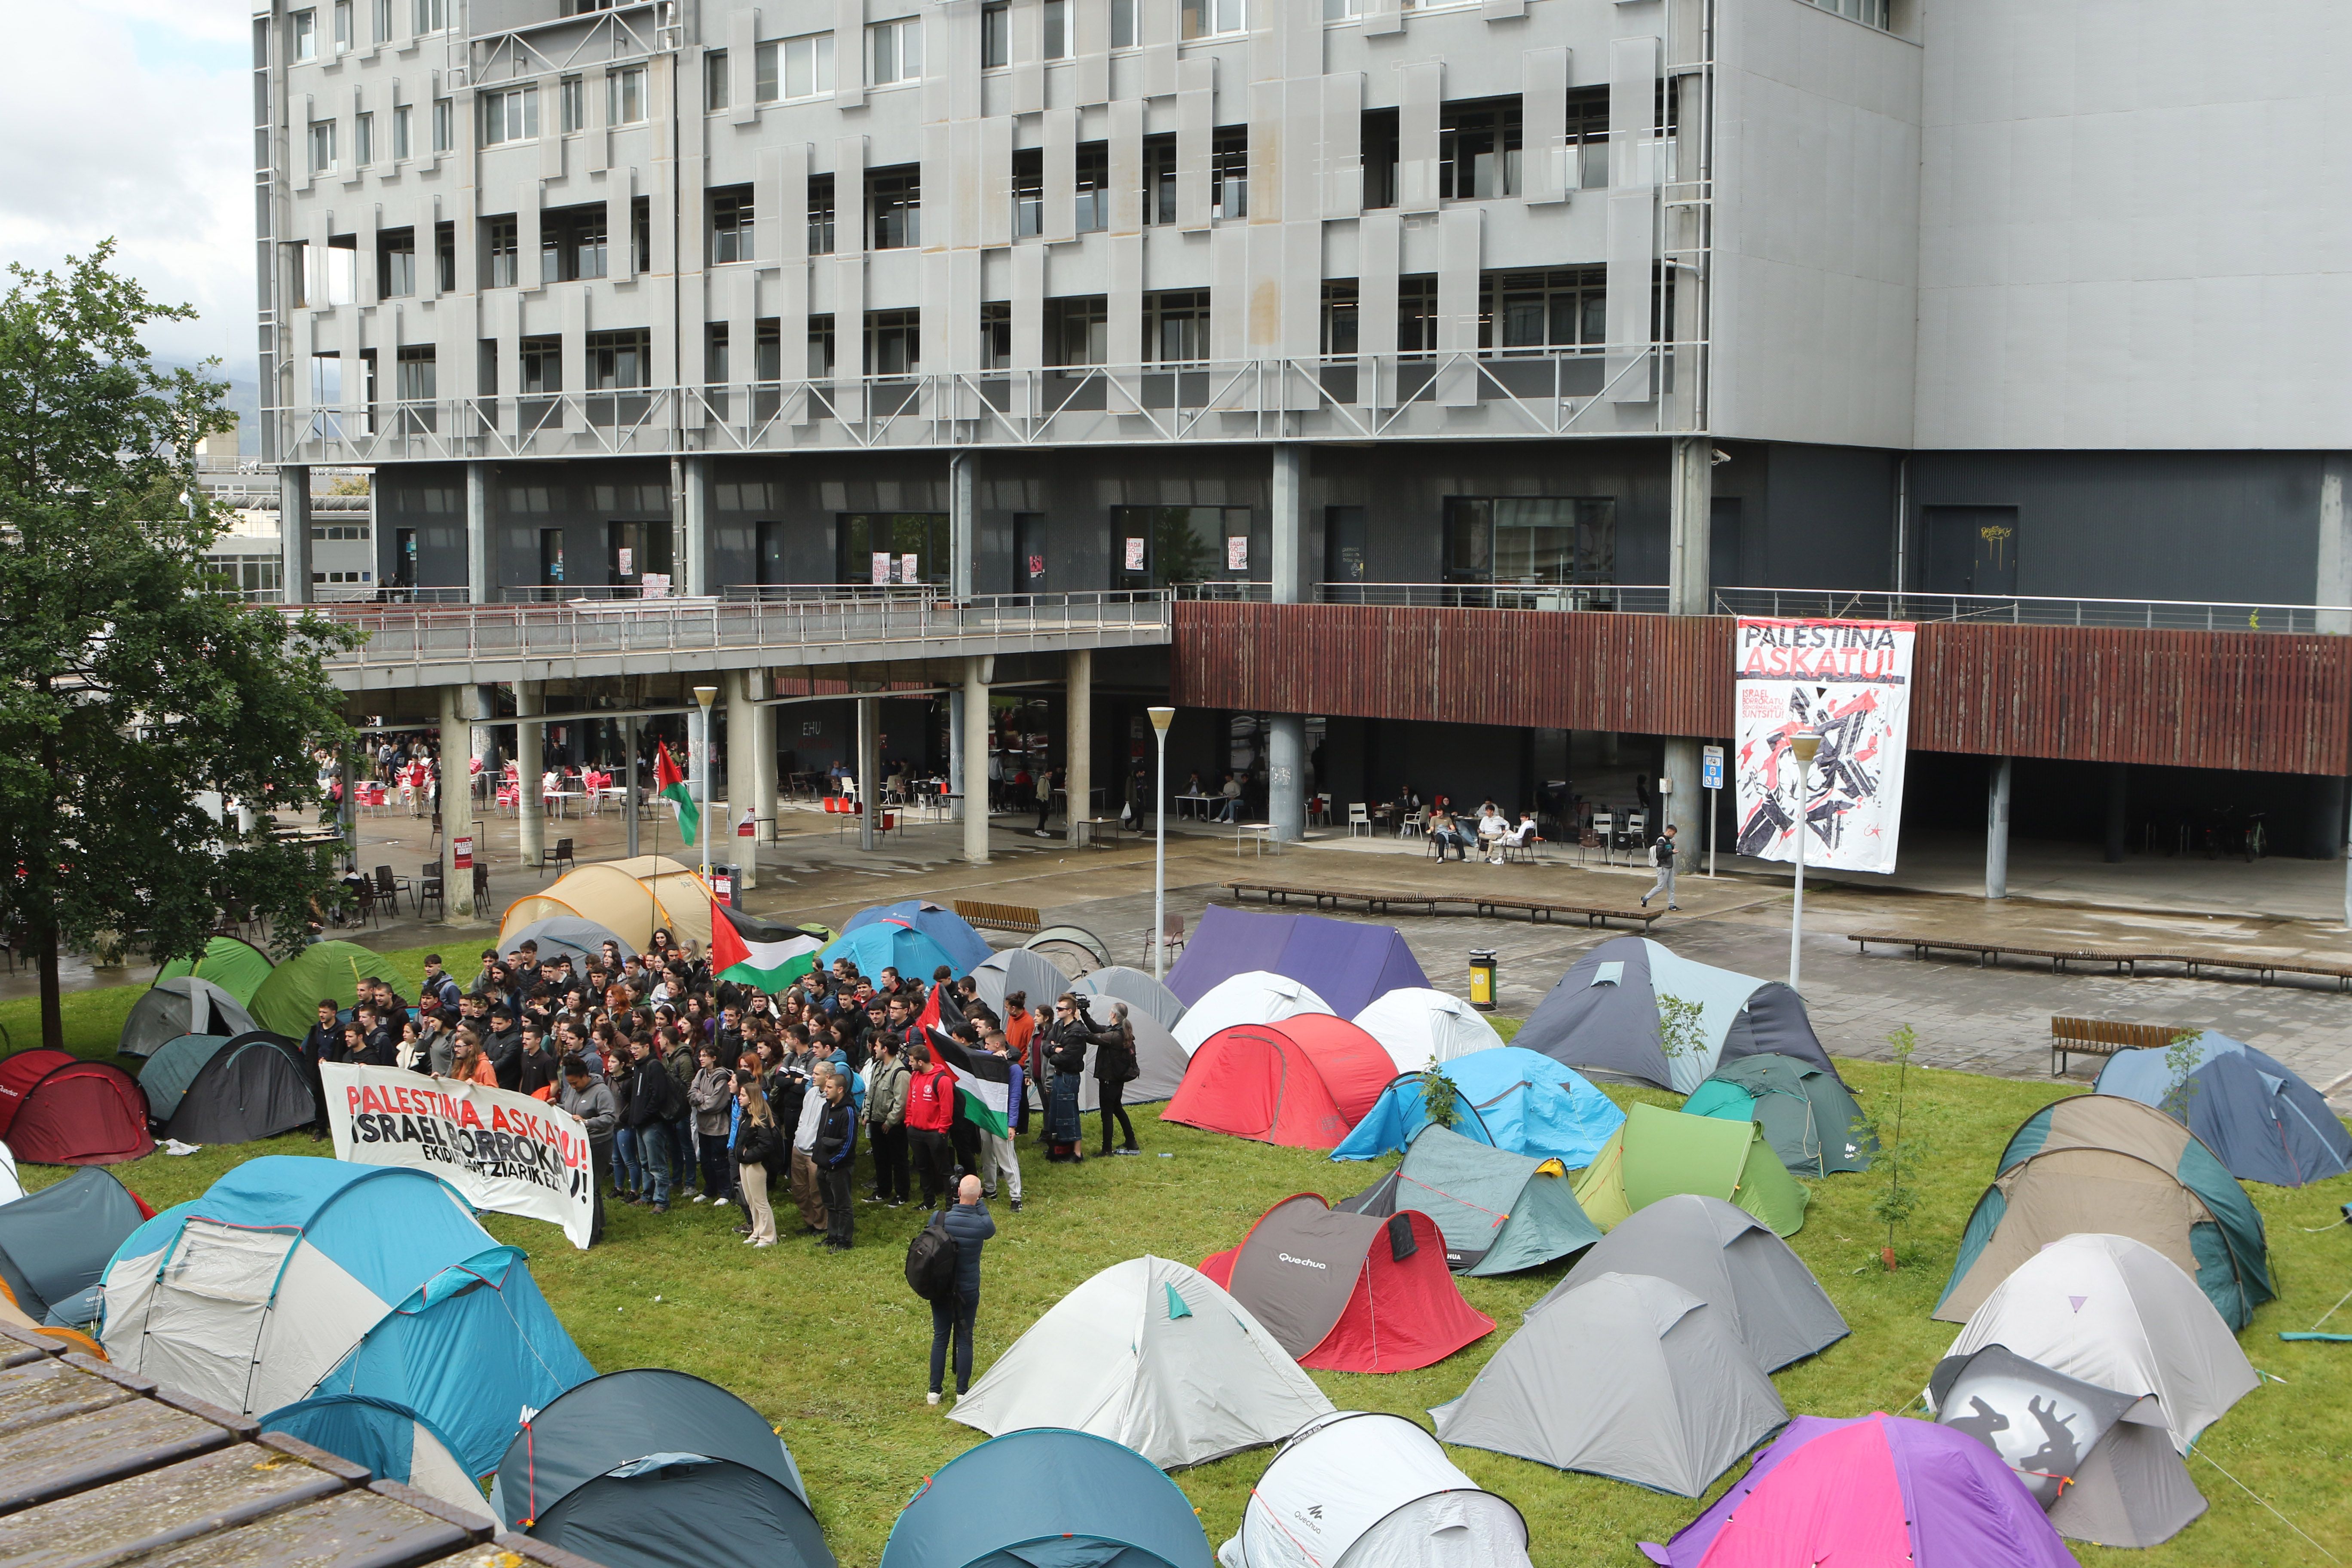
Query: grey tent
<point x="1138" y="990"/>
<point x="1629" y="1376"/>
<point x="1018" y="969"/>
<point x="166" y="1074"/>
<point x="255" y="1086"/>
<point x="1729" y="1260"/>
<point x="1807" y="1115"/>
<point x="581" y="939"/>
<point x="1160" y="1061"/>
<point x="1074" y="950"/>
<point x="187" y="1005"/>
<point x="1499" y="1212"/>
<point x="654" y="1468"/>
<point x="1602" y="1017"/>
<point x="54" y="1245"/>
<point x="2100" y="1463"/>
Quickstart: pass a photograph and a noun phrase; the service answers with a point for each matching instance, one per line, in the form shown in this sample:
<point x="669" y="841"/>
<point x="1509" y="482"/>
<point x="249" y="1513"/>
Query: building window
<point x="1156" y="546"/>
<point x="1478" y="150"/>
<point x="619" y="361"/>
<point x="1417" y="315"/>
<point x="903" y="548"/>
<point x="625" y="96"/>
<point x="1229" y="172"/>
<point x="894" y="198"/>
<point x="730" y="225"/>
<point x="1211" y="18"/>
<point x="362" y="141"/>
<point x="819" y="215"/>
<point x="413" y="375"/>
<point x="641" y="233"/>
<point x="1869" y="12"/>
<point x="445" y="124"/>
<point x="432" y="15"/>
<point x="714" y="79"/>
<point x="1057" y="29"/>
<point x="1378" y="139"/>
<point x="1176" y="326"/>
<point x="1564" y="307"/>
<point x="402" y="144"/>
<point x="445" y="257"/>
<point x="543" y="365"/>
<point x="510" y="114"/>
<point x="1530" y="540"/>
<point x="714" y="353"/>
<point x="571" y="243"/>
<point x="897" y="50"/>
<point x="342" y="25"/>
<point x="572" y="93"/>
<point x="381" y="14"/>
<point x="395" y="263"/>
<point x="820" y="347"/>
<point x="1339" y="318"/>
<point x="995" y="335"/>
<point x="1094" y="186"/>
<point x="996" y="34"/>
<point x="1159" y="179"/>
<point x="1078" y="330"/>
<point x="343" y="259"/>
<point x="1122" y="24"/>
<point x="322" y="147"/>
<point x="793" y="67"/>
<point x="306" y="35"/>
<point x="1588" y="133"/>
<point x="1028" y="193"/>
<point x="500" y="245"/>
<point x="894" y="342"/>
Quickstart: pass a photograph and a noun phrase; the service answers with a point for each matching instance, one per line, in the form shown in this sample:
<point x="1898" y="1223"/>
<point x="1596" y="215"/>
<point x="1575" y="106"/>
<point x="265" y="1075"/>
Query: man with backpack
<point x="943" y="1265"/>
<point x="1661" y="856"/>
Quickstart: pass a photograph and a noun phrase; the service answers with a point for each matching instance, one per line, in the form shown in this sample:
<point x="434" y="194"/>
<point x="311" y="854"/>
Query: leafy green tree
<point x="2182" y="1060"/>
<point x="136" y="703"/>
<point x="1440" y="1101"/>
<point x="1682" y="1029"/>
<point x="1894" y="1151"/>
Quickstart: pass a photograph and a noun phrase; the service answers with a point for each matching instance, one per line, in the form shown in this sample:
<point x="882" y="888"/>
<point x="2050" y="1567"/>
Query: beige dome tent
<point x="633" y="898"/>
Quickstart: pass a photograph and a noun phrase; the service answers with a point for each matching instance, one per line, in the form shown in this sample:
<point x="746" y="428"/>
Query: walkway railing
<point x="2033" y="610"/>
<point x="1631" y="598"/>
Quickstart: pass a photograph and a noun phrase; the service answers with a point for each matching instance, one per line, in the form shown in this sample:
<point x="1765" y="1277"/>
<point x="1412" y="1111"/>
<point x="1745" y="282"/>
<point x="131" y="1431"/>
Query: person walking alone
<point x="1045" y="800"/>
<point x="1115" y="1066"/>
<point x="953" y="1315"/>
<point x="1661" y="856"/>
<point x="758" y="1146"/>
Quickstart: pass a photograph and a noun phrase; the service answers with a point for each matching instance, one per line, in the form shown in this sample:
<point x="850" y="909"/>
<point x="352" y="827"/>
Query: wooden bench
<point x="1427" y="903"/>
<point x="2267" y="969"/>
<point x="2121" y="961"/>
<point x="1002" y="917"/>
<point x="2105" y="1037"/>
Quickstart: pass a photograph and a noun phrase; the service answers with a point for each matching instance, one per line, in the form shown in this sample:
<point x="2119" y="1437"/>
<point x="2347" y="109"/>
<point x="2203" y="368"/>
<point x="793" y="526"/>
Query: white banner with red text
<point x="1848" y="682"/>
<point x="505" y="1153"/>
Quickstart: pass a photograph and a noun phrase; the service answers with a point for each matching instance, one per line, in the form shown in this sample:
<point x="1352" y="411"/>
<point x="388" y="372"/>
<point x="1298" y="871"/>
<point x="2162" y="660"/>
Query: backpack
<point x="931" y="1259"/>
<point x="1653" y="851"/>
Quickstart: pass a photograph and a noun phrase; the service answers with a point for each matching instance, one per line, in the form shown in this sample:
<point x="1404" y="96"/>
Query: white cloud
<point x="131" y="119"/>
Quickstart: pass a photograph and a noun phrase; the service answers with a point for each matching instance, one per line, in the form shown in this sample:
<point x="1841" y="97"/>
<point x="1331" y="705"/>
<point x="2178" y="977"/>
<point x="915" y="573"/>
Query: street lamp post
<point x="1161" y="719"/>
<point x="1804" y="746"/>
<point x="704" y="695"/>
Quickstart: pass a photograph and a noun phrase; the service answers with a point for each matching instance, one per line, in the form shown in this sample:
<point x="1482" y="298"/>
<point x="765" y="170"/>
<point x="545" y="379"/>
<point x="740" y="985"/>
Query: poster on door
<point x="911" y="569"/>
<point x="1849" y="681"/>
<point x="882" y="564"/>
<point x="1133" y="559"/>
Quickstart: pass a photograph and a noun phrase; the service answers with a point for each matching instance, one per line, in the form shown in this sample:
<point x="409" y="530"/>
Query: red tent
<point x="58" y="1109"/>
<point x="1305" y="1081"/>
<point x="1349" y="1292"/>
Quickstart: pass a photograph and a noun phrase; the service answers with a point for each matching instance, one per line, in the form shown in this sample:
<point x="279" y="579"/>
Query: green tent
<point x="287" y="1002"/>
<point x="1807" y="1115"/>
<point x="1499" y="1212"/>
<point x="231" y="963"/>
<point x="1658" y="1153"/>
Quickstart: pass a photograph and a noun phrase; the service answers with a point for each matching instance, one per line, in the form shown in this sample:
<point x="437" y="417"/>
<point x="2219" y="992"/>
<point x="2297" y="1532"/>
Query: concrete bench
<point x="2104" y="1038"/>
<point x="1002" y="917"/>
<point x="2121" y="961"/>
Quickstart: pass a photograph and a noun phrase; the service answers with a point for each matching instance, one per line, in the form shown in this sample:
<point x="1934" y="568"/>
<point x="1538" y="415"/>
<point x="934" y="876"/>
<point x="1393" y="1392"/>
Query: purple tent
<point x="1878" y="1489"/>
<point x="1348" y="964"/>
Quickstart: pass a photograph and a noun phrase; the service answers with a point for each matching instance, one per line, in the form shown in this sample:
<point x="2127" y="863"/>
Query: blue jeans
<point x="653" y="1150"/>
<point x="681" y="1152"/>
<point x="628" y="1169"/>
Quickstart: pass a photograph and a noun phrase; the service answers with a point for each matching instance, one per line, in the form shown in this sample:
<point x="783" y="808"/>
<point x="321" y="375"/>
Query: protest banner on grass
<point x="505" y="1153"/>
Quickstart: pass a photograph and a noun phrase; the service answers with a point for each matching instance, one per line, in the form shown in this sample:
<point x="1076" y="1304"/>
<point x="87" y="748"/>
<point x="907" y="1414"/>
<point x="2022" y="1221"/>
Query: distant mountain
<point x="244" y="397"/>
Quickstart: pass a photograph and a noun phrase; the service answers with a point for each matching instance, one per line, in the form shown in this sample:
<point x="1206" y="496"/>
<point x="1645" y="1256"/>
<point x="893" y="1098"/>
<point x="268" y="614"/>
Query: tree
<point x="132" y="691"/>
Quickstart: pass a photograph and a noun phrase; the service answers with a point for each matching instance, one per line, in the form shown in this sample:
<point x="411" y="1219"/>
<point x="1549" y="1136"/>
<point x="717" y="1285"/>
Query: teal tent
<point x="167" y="1074"/>
<point x="1499" y="1212"/>
<point x="1807" y="1115"/>
<point x="1512" y="1099"/>
<point x="1048" y="1497"/>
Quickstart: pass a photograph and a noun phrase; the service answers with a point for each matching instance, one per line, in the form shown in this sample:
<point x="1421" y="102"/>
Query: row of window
<point x="303" y="26"/>
<point x="326" y="155"/>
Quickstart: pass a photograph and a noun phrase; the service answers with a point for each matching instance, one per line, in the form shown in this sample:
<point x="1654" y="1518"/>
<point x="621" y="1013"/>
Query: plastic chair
<point x="428" y="890"/>
<point x="1171" y="936"/>
<point x="389" y="887"/>
<point x="563" y="856"/>
<point x="1358" y="817"/>
<point x="1415" y="822"/>
<point x="1605" y="828"/>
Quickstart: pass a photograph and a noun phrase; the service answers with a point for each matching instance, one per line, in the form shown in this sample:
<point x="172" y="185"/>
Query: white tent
<point x="1420" y="1026"/>
<point x="1370" y="1491"/>
<point x="11" y="1188"/>
<point x="1138" y="990"/>
<point x="1152" y="1354"/>
<point x="1253" y="996"/>
<point x="2118" y="1314"/>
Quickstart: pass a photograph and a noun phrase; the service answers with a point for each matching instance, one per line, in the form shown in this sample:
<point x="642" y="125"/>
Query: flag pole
<point x="704" y="695"/>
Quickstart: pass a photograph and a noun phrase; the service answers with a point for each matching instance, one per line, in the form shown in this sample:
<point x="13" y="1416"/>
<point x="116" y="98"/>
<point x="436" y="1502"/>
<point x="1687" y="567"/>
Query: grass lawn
<point x="833" y="1349"/>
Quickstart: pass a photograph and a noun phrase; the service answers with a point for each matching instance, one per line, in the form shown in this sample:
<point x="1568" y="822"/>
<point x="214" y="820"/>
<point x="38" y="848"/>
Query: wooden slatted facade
<point x="2247" y="701"/>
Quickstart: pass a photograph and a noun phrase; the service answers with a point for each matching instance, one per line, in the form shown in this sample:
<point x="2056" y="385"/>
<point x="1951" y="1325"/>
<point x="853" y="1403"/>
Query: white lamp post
<point x="704" y="695"/>
<point x="1804" y="746"/>
<point x="1161" y="719"/>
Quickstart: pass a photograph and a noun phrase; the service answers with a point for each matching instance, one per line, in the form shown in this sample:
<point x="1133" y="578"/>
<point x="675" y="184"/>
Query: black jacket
<point x="505" y="1051"/>
<point x="836" y="1135"/>
<point x="757" y="1145"/>
<point x="651" y="1091"/>
<point x="1066" y="1042"/>
<point x="324" y="1043"/>
<point x="1115" y="1057"/>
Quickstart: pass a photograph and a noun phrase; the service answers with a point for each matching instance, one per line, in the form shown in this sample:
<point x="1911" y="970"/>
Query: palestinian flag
<point x="669" y="782"/>
<point x="757" y="953"/>
<point x="983" y="1083"/>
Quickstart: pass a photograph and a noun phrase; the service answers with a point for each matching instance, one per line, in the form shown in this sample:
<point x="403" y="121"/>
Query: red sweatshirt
<point x="931" y="1100"/>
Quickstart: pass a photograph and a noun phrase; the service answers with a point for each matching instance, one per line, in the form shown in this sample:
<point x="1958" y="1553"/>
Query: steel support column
<point x="294" y="534"/>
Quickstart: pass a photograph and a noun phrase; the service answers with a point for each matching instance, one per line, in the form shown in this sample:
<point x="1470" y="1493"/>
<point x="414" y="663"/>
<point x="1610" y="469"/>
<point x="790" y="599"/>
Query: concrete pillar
<point x="1681" y="801"/>
<point x="955" y="754"/>
<point x="2118" y="802"/>
<point x="1997" y="831"/>
<point x="629" y="781"/>
<point x="294" y="534"/>
<point x="690" y="515"/>
<point x="869" y="768"/>
<point x="763" y="764"/>
<point x="1078" y="771"/>
<point x="530" y="750"/>
<point x="457" y="800"/>
<point x="963" y="530"/>
<point x="737" y="687"/>
<point x="2334" y="583"/>
<point x="481" y="552"/>
<point x="1688" y="526"/>
<point x="1286" y="493"/>
<point x="1285" y="776"/>
<point x="976" y="672"/>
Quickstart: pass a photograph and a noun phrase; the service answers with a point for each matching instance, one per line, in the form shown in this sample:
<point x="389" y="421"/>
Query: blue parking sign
<point x="1710" y="767"/>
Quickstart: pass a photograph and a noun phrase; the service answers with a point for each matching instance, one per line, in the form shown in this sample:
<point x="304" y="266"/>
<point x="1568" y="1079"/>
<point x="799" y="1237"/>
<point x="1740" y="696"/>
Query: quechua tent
<point x="185" y="1005"/>
<point x="1348" y="963"/>
<point x="54" y="1245"/>
<point x="1498" y="1212"/>
<point x="888" y="944"/>
<point x="633" y="898"/>
<point x="1420" y="1026"/>
<point x="58" y="1109"/>
<point x="1049" y="1495"/>
<point x="1515" y="1099"/>
<point x="1876" y="1490"/>
<point x="1806" y="1113"/>
<point x="1372" y="1491"/>
<point x="1728" y="1258"/>
<point x="391" y="1440"/>
<point x="1349" y="1292"/>
<point x="2099" y="1162"/>
<point x="1658" y="1153"/>
<point x="287" y="1002"/>
<point x="1629" y="1376"/>
<point x="580" y="939"/>
<point x="2099" y="1463"/>
<point x="1602" y="1017"/>
<point x="966" y="949"/>
<point x="1303" y="1082"/>
<point x="1156" y="1356"/>
<point x="256" y="1086"/>
<point x="165" y="1077"/>
<point x="231" y="963"/>
<point x="654" y="1469"/>
<point x="2262" y="1120"/>
<point x="1253" y="996"/>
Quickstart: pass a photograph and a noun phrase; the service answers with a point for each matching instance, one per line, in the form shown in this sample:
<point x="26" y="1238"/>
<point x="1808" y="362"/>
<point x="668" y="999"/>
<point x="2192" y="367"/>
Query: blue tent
<point x="1521" y="1100"/>
<point x="1348" y="963"/>
<point x="294" y="1278"/>
<point x="966" y="949"/>
<point x="2265" y="1124"/>
<point x="1048" y="1495"/>
<point x="390" y="1439"/>
<point x="889" y="945"/>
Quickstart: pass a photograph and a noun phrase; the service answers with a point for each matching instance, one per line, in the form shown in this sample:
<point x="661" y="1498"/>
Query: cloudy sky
<point x="131" y="118"/>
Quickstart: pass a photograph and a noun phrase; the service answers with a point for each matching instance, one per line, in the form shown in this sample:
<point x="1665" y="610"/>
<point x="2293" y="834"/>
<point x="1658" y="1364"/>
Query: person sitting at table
<point x="1492" y="828"/>
<point x="1446" y="833"/>
<point x="1231" y="810"/>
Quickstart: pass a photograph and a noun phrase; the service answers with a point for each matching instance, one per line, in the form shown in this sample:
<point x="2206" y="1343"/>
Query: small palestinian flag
<point x="983" y="1083"/>
<point x="669" y="782"/>
<point x="755" y="953"/>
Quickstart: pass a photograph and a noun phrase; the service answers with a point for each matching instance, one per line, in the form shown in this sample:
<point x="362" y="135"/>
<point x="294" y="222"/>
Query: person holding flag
<point x="669" y="783"/>
<point x="755" y="953"/>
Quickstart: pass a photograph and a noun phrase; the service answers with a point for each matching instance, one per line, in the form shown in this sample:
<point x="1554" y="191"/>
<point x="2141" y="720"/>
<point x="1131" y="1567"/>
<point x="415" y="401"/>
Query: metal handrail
<point x="1642" y="598"/>
<point x="2033" y="609"/>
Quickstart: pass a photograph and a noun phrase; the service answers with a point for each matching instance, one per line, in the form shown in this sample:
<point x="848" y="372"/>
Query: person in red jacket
<point x="930" y="1109"/>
